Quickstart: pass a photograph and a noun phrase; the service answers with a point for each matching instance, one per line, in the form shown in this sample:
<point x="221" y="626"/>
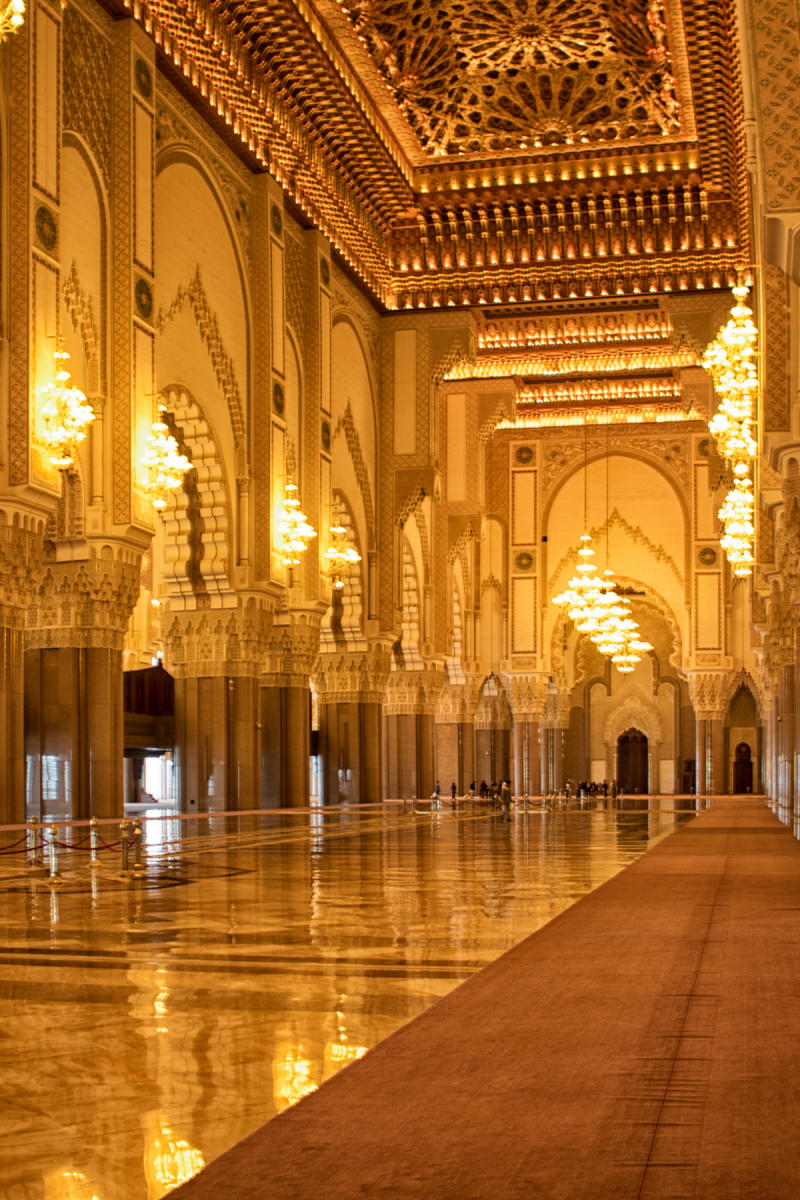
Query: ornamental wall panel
<point x="707" y="610"/>
<point x="523" y="508"/>
<point x="47" y="102"/>
<point x="143" y="149"/>
<point x="456" y="447"/>
<point x="523" y="615"/>
<point x="405" y="391"/>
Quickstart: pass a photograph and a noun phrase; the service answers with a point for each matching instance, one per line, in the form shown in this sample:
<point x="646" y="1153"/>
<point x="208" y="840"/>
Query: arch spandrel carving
<point x="633" y="713"/>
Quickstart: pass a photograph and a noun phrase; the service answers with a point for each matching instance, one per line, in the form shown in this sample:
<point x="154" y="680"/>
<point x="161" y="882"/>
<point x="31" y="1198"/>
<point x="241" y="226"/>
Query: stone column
<point x="707" y="690"/>
<point x="528" y="698"/>
<point x="455" y="735"/>
<point x="786" y="747"/>
<point x="411" y="700"/>
<point x="20" y="567"/>
<point x="217" y="656"/>
<point x="73" y="679"/>
<point x="351" y="686"/>
<point x="286" y="706"/>
<point x="546" y="756"/>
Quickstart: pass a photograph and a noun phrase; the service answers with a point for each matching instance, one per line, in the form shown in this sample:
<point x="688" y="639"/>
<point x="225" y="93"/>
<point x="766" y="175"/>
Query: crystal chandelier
<point x="164" y="463"/>
<point x="294" y="531"/>
<point x="67" y="415"/>
<point x="730" y="360"/>
<point x="341" y="556"/>
<point x="736" y="515"/>
<point x="12" y="16"/>
<point x="597" y="610"/>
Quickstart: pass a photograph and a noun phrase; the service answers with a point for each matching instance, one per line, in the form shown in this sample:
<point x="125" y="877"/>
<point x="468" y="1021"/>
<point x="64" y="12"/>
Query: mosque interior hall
<point x="397" y="398"/>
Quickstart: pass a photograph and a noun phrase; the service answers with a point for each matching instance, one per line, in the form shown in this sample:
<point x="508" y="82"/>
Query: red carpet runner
<point x="646" y="1043"/>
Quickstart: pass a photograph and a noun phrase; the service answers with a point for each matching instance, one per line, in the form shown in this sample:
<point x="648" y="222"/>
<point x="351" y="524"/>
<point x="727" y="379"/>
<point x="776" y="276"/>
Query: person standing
<point x="505" y="799"/>
<point x="435" y="796"/>
<point x="453" y="791"/>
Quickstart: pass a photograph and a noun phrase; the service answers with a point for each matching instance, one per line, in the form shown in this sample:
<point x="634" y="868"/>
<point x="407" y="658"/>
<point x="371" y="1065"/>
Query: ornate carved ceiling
<point x="541" y="154"/>
<point x="489" y="76"/>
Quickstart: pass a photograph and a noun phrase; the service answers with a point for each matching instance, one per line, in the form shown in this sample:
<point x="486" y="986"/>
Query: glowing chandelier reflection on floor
<point x="164" y="464"/>
<point x="66" y="414"/>
<point x="730" y="360"/>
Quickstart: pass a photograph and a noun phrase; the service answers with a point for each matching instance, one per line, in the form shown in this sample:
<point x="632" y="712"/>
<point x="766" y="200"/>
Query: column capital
<point x="353" y="675"/>
<point x="708" y="691"/>
<point x="21" y="548"/>
<point x="85" y="596"/>
<point x="528" y="695"/>
<point x="213" y="642"/>
<point x="414" y="691"/>
<point x="293" y="646"/>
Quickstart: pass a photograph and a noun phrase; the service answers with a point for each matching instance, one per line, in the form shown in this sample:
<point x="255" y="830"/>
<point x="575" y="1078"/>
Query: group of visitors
<point x="498" y="793"/>
<point x="590" y="791"/>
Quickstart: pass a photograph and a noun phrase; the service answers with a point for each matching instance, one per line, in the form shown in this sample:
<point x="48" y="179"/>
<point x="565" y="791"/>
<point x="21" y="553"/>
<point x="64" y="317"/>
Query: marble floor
<point x="149" y="1023"/>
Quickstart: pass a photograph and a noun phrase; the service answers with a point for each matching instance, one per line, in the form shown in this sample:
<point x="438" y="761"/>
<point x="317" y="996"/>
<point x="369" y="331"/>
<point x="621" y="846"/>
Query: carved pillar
<point x="528" y="698"/>
<point x="73" y="679"/>
<point x="351" y="686"/>
<point x="20" y="565"/>
<point x="707" y="691"/>
<point x="493" y="734"/>
<point x="286" y="707"/>
<point x="411" y="700"/>
<point x="455" y="734"/>
<point x="216" y="656"/>
<point x="554" y="725"/>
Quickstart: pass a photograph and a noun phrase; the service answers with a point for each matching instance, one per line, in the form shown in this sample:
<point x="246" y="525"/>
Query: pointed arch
<point x="196" y="525"/>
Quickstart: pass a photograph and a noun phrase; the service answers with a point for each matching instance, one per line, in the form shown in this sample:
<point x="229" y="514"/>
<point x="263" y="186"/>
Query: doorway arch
<point x="632" y="753"/>
<point x="742" y="770"/>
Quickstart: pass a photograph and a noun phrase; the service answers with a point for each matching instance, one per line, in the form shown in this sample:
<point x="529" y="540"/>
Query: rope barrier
<point x="19" y="842"/>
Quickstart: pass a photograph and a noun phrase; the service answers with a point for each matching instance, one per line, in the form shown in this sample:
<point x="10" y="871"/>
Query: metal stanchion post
<point x="54" y="876"/>
<point x="34" y="845"/>
<point x="94" y="843"/>
<point x="123" y="829"/>
<point x="138" y="865"/>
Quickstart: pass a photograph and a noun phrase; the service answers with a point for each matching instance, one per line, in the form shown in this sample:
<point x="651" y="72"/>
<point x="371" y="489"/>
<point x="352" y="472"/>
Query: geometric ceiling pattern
<point x="539" y="162"/>
<point x="492" y="76"/>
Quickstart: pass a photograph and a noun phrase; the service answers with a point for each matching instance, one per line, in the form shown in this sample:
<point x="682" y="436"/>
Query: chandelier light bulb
<point x="730" y="360"/>
<point x="597" y="610"/>
<point x="66" y="413"/>
<point x="294" y="531"/>
<point x="12" y="15"/>
<point x="164" y="464"/>
<point x="341" y="556"/>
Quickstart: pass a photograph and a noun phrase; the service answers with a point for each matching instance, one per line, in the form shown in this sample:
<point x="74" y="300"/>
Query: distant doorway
<point x="632" y="762"/>
<point x="742" y="770"/>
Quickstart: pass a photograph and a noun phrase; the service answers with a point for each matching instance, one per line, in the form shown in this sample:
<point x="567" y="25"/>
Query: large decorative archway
<point x="634" y="713"/>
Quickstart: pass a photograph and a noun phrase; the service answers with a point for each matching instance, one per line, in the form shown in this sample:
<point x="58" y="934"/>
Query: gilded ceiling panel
<point x="478" y="76"/>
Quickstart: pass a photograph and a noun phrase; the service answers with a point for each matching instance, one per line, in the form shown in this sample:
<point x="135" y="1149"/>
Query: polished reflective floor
<point x="150" y="1022"/>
